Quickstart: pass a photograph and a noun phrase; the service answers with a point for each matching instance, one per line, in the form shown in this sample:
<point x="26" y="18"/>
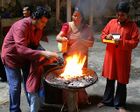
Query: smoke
<point x="96" y="7"/>
<point x="101" y="10"/>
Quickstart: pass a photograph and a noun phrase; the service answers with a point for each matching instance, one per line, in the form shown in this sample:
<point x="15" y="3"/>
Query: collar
<point x="123" y="23"/>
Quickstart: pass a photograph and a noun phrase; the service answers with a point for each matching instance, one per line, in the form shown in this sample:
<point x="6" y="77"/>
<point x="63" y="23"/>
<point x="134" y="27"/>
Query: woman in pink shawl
<point x="79" y="37"/>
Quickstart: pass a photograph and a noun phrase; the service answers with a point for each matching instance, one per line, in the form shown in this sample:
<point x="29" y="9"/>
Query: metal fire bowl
<point x="51" y="77"/>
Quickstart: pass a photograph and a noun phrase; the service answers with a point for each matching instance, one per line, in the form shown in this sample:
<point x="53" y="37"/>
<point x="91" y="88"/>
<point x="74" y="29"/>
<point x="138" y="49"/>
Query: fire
<point x="73" y="67"/>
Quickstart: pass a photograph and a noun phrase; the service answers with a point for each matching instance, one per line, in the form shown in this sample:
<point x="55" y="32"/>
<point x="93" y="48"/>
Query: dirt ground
<point x="96" y="57"/>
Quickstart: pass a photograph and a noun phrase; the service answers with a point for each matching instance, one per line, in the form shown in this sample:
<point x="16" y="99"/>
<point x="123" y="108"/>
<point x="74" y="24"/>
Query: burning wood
<point x="74" y="65"/>
<point x="86" y="80"/>
<point x="73" y="75"/>
<point x="86" y="74"/>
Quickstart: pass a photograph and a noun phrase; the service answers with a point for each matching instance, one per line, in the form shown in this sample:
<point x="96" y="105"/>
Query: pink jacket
<point x="19" y="43"/>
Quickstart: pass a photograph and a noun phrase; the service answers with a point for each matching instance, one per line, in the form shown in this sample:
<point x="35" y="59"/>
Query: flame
<point x="73" y="67"/>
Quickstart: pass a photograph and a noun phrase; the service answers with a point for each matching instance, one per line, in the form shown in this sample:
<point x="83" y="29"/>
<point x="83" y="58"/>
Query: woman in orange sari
<point x="79" y="38"/>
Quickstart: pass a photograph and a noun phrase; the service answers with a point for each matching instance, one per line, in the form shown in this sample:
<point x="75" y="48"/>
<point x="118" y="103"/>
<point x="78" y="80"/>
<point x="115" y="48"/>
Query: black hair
<point x="40" y="12"/>
<point x="78" y="9"/>
<point x="123" y="6"/>
<point x="27" y="7"/>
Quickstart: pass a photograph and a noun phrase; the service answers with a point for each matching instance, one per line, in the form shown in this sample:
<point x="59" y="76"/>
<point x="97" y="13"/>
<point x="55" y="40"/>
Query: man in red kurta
<point x="20" y="47"/>
<point x="117" y="59"/>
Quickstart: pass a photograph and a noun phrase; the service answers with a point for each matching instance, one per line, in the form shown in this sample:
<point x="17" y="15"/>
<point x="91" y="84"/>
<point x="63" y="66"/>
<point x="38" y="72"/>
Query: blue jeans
<point x="36" y="100"/>
<point x="14" y="81"/>
<point x="25" y="71"/>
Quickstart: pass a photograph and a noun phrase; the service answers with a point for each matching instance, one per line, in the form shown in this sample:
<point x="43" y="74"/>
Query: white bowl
<point x="116" y="36"/>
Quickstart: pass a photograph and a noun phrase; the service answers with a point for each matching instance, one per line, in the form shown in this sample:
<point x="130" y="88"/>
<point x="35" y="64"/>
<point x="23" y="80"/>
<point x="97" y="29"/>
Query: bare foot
<point x="99" y="105"/>
<point x="121" y="109"/>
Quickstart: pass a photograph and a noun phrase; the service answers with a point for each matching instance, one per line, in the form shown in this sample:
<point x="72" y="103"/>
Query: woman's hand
<point x="63" y="39"/>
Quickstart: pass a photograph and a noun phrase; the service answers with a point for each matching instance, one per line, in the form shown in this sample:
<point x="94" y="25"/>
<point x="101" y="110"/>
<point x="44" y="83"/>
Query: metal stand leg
<point x="72" y="101"/>
<point x="62" y="107"/>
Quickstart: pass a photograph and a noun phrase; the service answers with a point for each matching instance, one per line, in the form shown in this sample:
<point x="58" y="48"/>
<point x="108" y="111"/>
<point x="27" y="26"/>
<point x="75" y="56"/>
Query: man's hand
<point x="48" y="57"/>
<point x="116" y="41"/>
<point x="49" y="54"/>
<point x="109" y="37"/>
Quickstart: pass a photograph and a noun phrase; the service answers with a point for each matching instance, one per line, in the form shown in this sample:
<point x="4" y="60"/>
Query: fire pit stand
<point x="72" y="101"/>
<point x="70" y="86"/>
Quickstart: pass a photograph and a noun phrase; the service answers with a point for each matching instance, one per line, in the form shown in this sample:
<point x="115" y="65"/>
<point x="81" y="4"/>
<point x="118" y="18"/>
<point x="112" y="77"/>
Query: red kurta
<point x="117" y="59"/>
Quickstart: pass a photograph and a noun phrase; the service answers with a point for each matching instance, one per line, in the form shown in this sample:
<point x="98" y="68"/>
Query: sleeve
<point x="105" y="31"/>
<point x="21" y="42"/>
<point x="65" y="28"/>
<point x="133" y="42"/>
